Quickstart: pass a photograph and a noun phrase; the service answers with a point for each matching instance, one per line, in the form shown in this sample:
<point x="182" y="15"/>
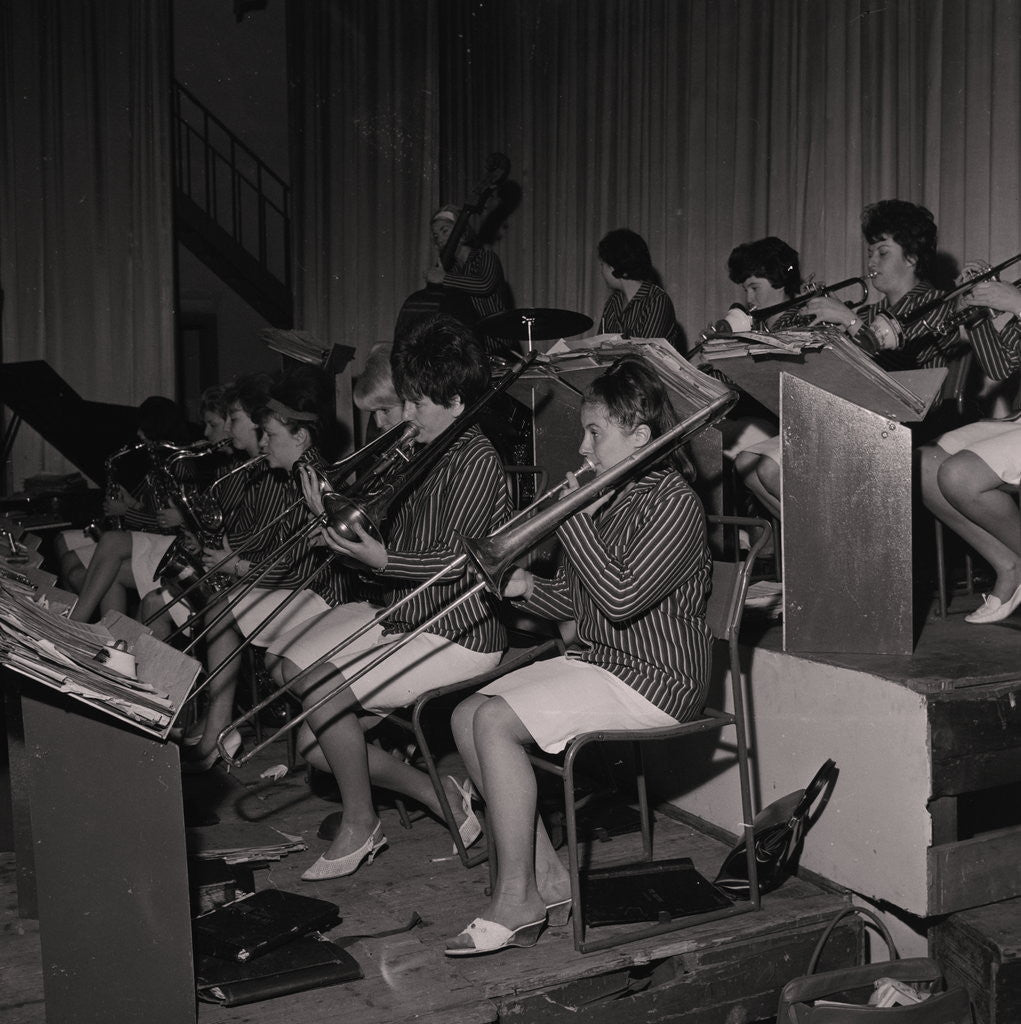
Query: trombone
<point x="490" y="557"/>
<point x="366" y="504"/>
<point x="337" y="470"/>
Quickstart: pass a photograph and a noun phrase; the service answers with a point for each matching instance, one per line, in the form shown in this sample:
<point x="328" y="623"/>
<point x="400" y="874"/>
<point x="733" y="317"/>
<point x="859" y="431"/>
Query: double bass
<point x="435" y="298"/>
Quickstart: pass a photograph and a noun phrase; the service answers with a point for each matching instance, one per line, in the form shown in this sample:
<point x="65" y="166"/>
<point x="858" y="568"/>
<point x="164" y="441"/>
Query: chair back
<point x="731" y="578"/>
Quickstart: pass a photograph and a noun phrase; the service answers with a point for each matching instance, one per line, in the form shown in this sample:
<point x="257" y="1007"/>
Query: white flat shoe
<point x="339" y="867"/>
<point x="995" y="610"/>
<point x="482" y="936"/>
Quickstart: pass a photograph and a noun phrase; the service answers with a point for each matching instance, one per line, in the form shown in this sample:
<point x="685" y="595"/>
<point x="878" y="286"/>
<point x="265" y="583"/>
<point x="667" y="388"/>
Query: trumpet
<point x="490" y="557"/>
<point x="814" y="291"/>
<point x="939" y="316"/>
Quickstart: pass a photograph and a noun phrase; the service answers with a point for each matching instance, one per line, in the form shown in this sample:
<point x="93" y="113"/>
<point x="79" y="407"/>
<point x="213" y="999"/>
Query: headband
<point x="287" y="413"/>
<point x="445" y="214"/>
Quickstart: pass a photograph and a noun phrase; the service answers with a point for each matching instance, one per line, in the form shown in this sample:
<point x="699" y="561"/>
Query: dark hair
<point x="627" y="255"/>
<point x="912" y="227"/>
<point x="441" y="360"/>
<point x="633" y="394"/>
<point x="213" y="400"/>
<point x="771" y="258"/>
<point x="250" y="392"/>
<point x="161" y="419"/>
<point x="308" y="390"/>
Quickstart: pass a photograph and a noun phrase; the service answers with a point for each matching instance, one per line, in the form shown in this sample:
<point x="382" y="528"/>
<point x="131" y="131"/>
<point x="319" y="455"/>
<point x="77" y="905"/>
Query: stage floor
<point x="718" y="966"/>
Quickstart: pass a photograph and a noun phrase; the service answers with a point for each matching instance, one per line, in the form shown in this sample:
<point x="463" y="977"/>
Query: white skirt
<point x="147" y="551"/>
<point x="996" y="442"/>
<point x="425" y="663"/>
<point x="258" y="604"/>
<point x="80" y="543"/>
<point x="563" y="697"/>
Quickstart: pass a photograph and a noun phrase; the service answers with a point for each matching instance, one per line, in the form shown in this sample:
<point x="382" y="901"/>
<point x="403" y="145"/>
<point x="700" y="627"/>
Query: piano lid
<point x="83" y="432"/>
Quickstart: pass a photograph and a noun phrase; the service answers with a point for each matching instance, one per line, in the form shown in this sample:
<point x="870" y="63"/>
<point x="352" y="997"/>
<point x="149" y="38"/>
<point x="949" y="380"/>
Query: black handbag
<point x="778" y="831"/>
<point x="845" y="991"/>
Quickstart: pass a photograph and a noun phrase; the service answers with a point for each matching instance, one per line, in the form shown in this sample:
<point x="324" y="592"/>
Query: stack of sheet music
<point x="241" y="843"/>
<point x="691" y="389"/>
<point x="300" y="345"/>
<point x="762" y="343"/>
<point x="40" y="643"/>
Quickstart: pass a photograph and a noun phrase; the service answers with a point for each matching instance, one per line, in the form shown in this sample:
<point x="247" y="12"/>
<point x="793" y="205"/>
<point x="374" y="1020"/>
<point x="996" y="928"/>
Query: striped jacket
<point x="465" y="495"/>
<point x="636" y="577"/>
<point x="650" y="314"/>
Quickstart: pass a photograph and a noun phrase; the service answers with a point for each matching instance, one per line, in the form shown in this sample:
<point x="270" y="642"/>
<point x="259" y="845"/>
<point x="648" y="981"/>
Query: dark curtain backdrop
<point x="86" y="254"/>
<point x="698" y="123"/>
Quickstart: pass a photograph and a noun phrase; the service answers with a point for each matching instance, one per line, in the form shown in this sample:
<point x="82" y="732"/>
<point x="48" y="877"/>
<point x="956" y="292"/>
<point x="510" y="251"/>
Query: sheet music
<point x="40" y="643"/>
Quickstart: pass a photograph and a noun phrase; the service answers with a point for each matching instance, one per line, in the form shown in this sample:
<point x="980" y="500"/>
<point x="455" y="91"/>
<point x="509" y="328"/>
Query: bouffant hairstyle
<point x="770" y="258"/>
<point x="627" y="255"/>
<point x="911" y="226"/>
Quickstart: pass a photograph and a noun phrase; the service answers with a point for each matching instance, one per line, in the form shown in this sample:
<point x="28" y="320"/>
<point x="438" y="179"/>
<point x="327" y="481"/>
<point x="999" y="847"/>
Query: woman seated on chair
<point x="123" y="560"/>
<point x="635" y="577"/>
<point x="294" y="421"/>
<point x="439" y="370"/>
<point x="966" y="472"/>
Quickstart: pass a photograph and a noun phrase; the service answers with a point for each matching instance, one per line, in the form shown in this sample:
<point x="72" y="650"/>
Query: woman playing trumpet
<point x="635" y="577"/>
<point x="439" y="370"/>
<point x="901" y="259"/>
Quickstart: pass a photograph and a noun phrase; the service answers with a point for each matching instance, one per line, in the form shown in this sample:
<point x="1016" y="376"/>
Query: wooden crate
<point x="981" y="950"/>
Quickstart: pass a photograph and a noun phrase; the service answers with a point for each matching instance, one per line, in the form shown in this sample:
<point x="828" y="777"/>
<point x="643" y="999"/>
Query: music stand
<point x="846" y="471"/>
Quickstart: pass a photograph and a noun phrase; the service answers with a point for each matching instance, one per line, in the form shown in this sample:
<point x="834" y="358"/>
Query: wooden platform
<point x="721" y="971"/>
<point x="925" y="815"/>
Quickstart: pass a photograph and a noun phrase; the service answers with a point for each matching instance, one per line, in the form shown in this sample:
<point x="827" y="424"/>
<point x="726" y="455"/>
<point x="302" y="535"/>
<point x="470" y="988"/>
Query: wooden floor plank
<point x="407" y="977"/>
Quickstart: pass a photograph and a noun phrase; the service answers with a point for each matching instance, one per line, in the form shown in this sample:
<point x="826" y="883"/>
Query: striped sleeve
<point x="480" y="274"/>
<point x="551" y="598"/>
<point x="424" y="547"/>
<point x="998" y="351"/>
<point x="626" y="580"/>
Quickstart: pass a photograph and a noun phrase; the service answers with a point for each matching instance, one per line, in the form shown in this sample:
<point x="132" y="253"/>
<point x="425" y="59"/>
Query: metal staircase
<point x="231" y="210"/>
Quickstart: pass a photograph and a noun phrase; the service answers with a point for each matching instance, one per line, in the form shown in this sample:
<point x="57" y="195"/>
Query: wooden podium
<point x="97" y="817"/>
<point x="846" y="471"/>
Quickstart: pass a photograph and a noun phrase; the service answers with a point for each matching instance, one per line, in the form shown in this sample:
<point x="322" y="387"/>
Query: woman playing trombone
<point x="635" y="577"/>
<point x="439" y="370"/>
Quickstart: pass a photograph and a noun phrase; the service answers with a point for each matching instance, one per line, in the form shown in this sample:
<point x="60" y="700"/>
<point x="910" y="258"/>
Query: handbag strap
<point x="850" y="912"/>
<point x="814" y="788"/>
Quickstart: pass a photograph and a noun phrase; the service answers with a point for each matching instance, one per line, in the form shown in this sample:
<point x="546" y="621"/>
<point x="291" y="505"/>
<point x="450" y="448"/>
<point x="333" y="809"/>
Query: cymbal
<point x="546" y="324"/>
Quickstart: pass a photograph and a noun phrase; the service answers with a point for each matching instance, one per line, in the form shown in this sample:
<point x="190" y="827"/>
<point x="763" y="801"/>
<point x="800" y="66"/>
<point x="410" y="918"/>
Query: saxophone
<point x="181" y="566"/>
<point x="95" y="528"/>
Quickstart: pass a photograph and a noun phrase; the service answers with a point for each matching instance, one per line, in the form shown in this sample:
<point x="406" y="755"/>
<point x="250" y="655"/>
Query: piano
<point x="84" y="432"/>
